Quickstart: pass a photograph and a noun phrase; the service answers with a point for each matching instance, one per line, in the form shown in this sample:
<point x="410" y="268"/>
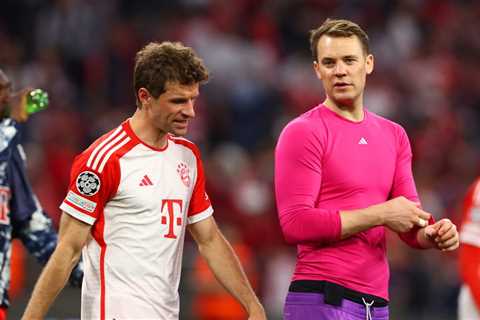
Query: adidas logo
<point x="146" y="181"/>
<point x="362" y="141"/>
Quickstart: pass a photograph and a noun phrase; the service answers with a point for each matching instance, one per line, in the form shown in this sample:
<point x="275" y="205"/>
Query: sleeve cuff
<point x="77" y="214"/>
<point x="200" y="216"/>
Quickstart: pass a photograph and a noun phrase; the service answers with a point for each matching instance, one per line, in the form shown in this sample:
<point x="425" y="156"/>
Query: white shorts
<point x="467" y="309"/>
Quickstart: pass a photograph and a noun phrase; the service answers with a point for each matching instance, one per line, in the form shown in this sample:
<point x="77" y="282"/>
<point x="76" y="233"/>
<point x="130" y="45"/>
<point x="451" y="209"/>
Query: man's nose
<point x="340" y="69"/>
<point x="189" y="109"/>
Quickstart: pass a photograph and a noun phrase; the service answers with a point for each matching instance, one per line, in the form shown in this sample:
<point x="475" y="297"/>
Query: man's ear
<point x="370" y="62"/>
<point x="316" y="67"/>
<point x="143" y="96"/>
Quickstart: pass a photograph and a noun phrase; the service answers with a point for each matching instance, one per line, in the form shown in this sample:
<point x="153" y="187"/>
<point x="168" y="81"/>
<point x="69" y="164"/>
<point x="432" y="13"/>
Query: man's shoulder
<point x="385" y="122"/>
<point x="306" y="122"/>
<point x="102" y="140"/>
<point x="312" y="114"/>
<point x="185" y="143"/>
<point x="105" y="149"/>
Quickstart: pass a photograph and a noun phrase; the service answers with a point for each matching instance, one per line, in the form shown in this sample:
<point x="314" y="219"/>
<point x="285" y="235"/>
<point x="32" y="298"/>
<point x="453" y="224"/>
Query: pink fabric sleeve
<point x="404" y="184"/>
<point x="298" y="177"/>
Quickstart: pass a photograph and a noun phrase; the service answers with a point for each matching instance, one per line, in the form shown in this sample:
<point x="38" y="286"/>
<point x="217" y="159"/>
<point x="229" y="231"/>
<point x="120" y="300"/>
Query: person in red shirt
<point x="469" y="298"/>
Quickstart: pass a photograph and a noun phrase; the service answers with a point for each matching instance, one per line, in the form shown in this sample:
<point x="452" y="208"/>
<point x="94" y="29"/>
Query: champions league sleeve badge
<point x="88" y="183"/>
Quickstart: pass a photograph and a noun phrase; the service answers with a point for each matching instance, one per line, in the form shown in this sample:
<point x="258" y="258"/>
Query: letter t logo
<point x="171" y="216"/>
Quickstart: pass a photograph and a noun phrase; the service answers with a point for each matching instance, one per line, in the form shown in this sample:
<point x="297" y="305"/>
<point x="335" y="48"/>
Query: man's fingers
<point x="431" y="231"/>
<point x="445" y="226"/>
<point x="423" y="217"/>
<point x="450" y="233"/>
<point x="22" y="91"/>
<point x="449" y="245"/>
<point x="447" y="235"/>
<point x="422" y="222"/>
<point x="422" y="214"/>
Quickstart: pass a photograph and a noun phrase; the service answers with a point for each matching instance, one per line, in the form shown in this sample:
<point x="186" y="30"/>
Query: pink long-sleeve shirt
<point x="325" y="163"/>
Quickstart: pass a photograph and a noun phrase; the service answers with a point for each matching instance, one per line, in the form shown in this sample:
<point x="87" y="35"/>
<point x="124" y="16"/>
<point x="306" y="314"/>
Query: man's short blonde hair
<point x="338" y="28"/>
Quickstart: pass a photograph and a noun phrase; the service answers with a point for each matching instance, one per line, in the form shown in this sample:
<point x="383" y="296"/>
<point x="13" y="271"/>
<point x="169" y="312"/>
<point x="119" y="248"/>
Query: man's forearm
<point x="355" y="221"/>
<point x="399" y="215"/>
<point x="52" y="280"/>
<point x="224" y="263"/>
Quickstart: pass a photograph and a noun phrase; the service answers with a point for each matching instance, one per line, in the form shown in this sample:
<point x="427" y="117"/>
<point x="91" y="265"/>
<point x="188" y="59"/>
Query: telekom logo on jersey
<point x="170" y="219"/>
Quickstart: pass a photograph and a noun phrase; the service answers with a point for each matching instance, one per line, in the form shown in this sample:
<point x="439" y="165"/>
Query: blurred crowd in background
<point x="426" y="78"/>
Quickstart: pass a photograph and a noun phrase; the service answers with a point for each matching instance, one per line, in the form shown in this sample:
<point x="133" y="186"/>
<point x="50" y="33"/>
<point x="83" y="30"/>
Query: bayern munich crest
<point x="88" y="183"/>
<point x="184" y="173"/>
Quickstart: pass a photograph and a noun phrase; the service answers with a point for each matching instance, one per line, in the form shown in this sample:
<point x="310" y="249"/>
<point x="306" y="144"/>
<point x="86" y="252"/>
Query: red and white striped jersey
<point x="139" y="200"/>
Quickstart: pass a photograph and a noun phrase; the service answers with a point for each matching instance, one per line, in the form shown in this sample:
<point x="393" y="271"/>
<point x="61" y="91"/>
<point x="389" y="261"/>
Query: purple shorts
<point x="310" y="306"/>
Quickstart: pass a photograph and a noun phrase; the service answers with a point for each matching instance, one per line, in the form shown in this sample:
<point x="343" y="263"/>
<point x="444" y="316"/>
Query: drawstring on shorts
<point x="368" y="305"/>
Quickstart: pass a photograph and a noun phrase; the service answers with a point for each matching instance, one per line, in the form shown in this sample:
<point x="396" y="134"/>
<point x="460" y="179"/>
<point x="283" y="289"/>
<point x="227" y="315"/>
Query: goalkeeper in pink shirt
<point x="342" y="176"/>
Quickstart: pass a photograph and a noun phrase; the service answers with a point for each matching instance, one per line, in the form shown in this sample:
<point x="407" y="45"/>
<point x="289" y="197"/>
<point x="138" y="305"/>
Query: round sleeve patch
<point x="88" y="183"/>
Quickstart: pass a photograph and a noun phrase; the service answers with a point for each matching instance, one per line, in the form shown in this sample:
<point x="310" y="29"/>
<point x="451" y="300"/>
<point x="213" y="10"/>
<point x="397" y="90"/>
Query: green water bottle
<point x="37" y="100"/>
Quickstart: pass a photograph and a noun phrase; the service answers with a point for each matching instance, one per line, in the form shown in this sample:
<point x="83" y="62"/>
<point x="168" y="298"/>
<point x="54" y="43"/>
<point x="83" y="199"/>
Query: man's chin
<point x="179" y="132"/>
<point x="343" y="100"/>
<point x="343" y="96"/>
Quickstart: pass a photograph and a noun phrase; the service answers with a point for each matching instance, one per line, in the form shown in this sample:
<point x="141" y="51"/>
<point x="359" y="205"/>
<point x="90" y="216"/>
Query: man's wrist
<point x="376" y="214"/>
<point x="424" y="240"/>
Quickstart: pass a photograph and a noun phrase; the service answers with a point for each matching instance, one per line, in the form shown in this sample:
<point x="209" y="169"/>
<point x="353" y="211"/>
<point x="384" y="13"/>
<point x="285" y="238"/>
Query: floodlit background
<point x="426" y="78"/>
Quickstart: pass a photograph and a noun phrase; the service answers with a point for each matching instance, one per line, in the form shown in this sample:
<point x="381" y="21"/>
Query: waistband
<point x="310" y="301"/>
<point x="335" y="293"/>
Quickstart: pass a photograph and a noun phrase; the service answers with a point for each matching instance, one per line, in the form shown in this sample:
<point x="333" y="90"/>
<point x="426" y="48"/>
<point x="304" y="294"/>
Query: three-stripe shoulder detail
<point x="104" y="150"/>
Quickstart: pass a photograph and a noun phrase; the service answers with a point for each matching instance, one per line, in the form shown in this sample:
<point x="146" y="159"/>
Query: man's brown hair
<point x="337" y="28"/>
<point x="157" y="64"/>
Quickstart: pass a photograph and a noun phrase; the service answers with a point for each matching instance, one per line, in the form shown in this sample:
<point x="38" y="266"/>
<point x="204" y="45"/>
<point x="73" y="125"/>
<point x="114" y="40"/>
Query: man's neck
<point x="353" y="112"/>
<point x="146" y="132"/>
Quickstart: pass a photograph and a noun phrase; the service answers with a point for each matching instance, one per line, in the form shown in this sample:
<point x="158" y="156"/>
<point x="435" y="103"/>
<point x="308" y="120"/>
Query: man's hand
<point x="18" y="105"/>
<point x="401" y="214"/>
<point x="443" y="234"/>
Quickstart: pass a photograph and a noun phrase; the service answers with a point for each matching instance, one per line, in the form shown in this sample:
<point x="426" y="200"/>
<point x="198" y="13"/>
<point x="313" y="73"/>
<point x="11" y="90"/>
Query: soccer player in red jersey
<point x="469" y="299"/>
<point x="133" y="194"/>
